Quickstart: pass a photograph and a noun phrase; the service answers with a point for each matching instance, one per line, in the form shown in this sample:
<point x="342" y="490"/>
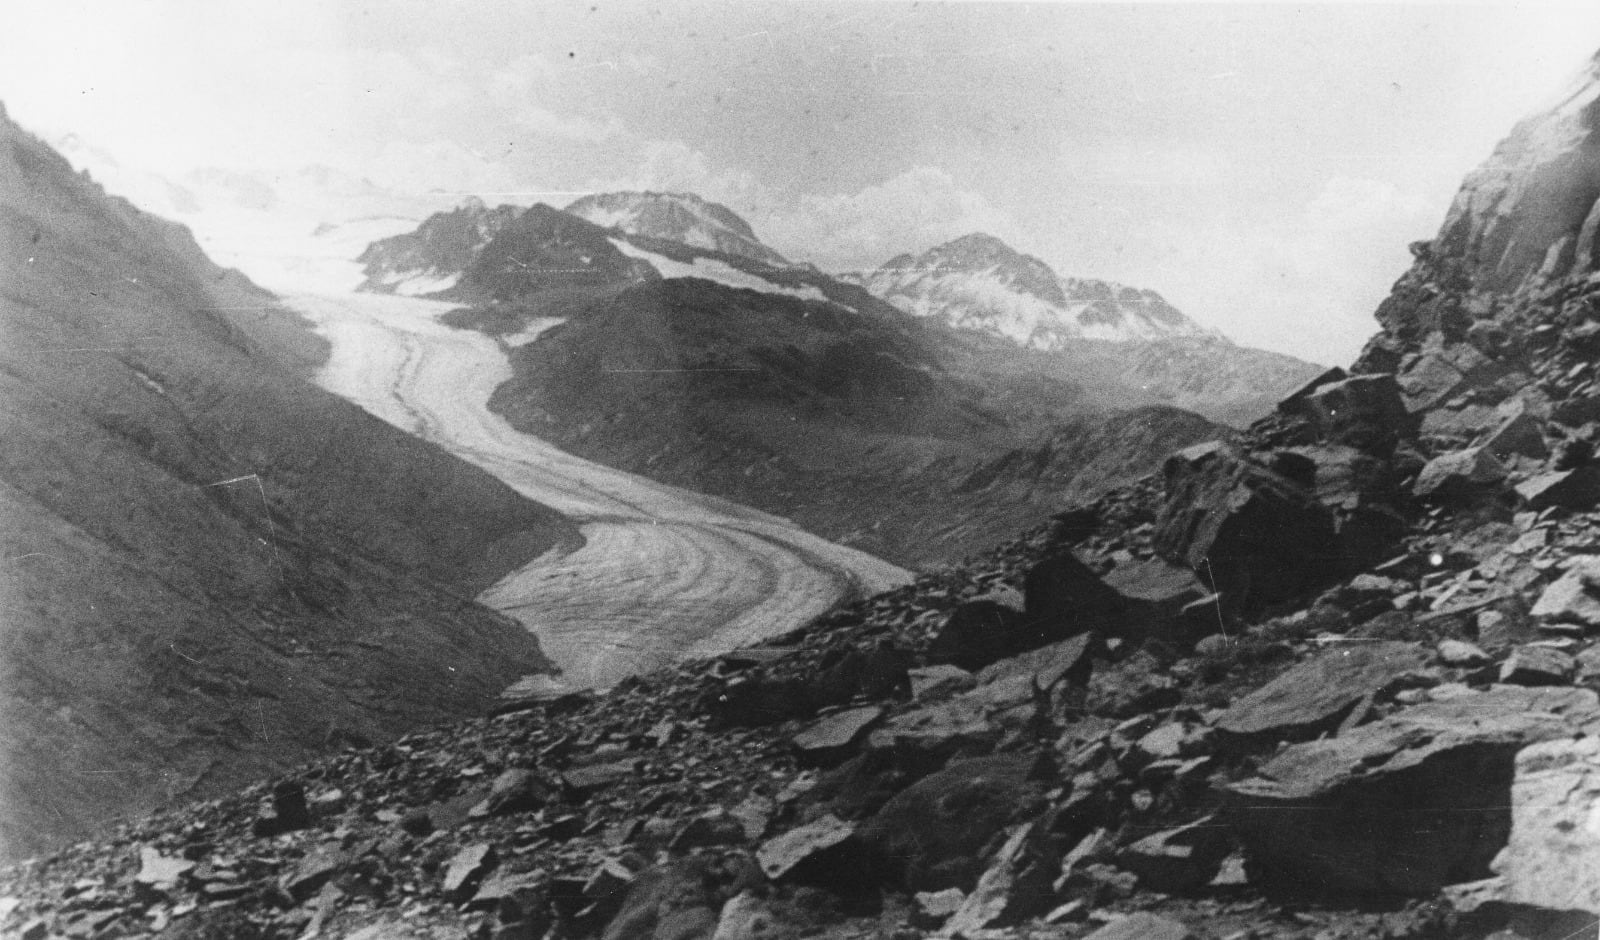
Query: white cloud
<point x="1348" y="205"/>
<point x="913" y="211"/>
<point x="418" y="167"/>
<point x="520" y="91"/>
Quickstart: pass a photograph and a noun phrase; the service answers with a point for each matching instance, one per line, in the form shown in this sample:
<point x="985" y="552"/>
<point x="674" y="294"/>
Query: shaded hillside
<point x="847" y="424"/>
<point x="211" y="569"/>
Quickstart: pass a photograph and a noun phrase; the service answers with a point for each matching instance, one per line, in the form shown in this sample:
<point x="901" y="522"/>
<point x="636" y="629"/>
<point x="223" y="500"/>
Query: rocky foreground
<point x="1073" y="736"/>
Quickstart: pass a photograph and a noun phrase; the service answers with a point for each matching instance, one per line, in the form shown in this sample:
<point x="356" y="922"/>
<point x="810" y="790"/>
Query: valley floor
<point x="662" y="572"/>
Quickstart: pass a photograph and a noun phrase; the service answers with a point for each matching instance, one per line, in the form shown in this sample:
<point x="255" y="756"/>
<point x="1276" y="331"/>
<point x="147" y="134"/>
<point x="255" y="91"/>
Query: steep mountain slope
<point x="676" y="217"/>
<point x="211" y="569"/>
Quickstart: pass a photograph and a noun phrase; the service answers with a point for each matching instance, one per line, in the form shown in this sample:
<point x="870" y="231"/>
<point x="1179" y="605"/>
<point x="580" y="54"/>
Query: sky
<point x="1262" y="166"/>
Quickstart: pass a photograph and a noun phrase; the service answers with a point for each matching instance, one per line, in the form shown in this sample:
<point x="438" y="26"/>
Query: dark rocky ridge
<point x="677" y="217"/>
<point x="213" y="569"/>
<point x="442" y="246"/>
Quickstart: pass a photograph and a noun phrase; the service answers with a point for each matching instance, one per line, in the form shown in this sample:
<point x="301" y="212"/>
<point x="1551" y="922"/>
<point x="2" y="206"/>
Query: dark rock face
<point x="933" y="833"/>
<point x="1363" y="411"/>
<point x="1063" y="597"/>
<point x="543" y="249"/>
<point x="444" y="245"/>
<point x="1402" y="806"/>
<point x="1254" y="534"/>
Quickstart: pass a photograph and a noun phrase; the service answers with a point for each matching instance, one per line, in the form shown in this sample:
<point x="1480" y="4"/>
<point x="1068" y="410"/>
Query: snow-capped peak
<point x="978" y="282"/>
<point x="679" y="217"/>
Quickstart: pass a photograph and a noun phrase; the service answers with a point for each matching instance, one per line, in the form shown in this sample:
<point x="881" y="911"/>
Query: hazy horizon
<point x="1263" y="167"/>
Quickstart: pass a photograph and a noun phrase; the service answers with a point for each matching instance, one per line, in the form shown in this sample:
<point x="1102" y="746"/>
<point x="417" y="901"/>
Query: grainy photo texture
<point x="726" y="470"/>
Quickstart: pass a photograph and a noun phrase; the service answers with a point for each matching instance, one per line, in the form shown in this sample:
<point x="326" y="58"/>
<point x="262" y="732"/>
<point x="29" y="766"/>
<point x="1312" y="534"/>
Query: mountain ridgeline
<point x="830" y="401"/>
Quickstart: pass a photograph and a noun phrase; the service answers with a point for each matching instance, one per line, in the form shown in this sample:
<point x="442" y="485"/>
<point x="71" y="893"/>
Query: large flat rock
<point x="1315" y="695"/>
<point x="1553" y="857"/>
<point x="1405" y="805"/>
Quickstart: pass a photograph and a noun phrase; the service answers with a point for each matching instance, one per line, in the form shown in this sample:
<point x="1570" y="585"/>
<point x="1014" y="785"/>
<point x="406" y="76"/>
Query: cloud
<point x="912" y="211"/>
<point x="519" y="90"/>
<point x="419" y="167"/>
<point x="1348" y="205"/>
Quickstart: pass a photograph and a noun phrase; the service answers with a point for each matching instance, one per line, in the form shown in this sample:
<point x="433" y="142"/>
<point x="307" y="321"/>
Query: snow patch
<point x="417" y="285"/>
<point x="721" y="272"/>
<point x="532" y="331"/>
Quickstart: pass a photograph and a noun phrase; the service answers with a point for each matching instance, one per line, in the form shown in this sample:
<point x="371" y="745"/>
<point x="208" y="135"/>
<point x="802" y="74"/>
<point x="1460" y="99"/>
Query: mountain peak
<point x="979" y="252"/>
<point x="978" y="282"/>
<point x="680" y="217"/>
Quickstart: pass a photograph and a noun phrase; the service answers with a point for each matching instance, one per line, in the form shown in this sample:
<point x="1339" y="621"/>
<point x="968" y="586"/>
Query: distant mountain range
<point x="832" y="401"/>
<point x="978" y="282"/>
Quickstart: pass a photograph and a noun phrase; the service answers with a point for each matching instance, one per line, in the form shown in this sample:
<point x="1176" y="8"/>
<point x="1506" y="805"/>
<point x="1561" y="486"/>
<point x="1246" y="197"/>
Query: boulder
<point x="1015" y="886"/>
<point x="1253" y="534"/>
<point x="289" y="810"/>
<point x="1316" y="695"/>
<point x="584" y="781"/>
<point x="875" y="674"/>
<point x="466" y="870"/>
<point x="313" y="871"/>
<point x="1295" y="402"/>
<point x="830" y="739"/>
<point x="931" y="835"/>
<point x="680" y="899"/>
<point x="1461" y="654"/>
<point x="1143" y="926"/>
<point x="1574" y="597"/>
<point x="1181" y="859"/>
<point x="1404" y="805"/>
<point x="978" y="632"/>
<point x="753" y="702"/>
<point x="1045" y="666"/>
<point x="750" y="917"/>
<point x="1538" y="665"/>
<point x="1157" y="596"/>
<point x="930" y="682"/>
<point x="1460" y="475"/>
<point x="1363" y="411"/>
<point x="1063" y="597"/>
<point x="1577" y="488"/>
<point x="1520" y="435"/>
<point x="971" y="723"/>
<point x="1444" y="371"/>
<point x="514" y="791"/>
<point x="711" y="828"/>
<point x="1552" y="858"/>
<point x="816" y="851"/>
<point x="159" y="871"/>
